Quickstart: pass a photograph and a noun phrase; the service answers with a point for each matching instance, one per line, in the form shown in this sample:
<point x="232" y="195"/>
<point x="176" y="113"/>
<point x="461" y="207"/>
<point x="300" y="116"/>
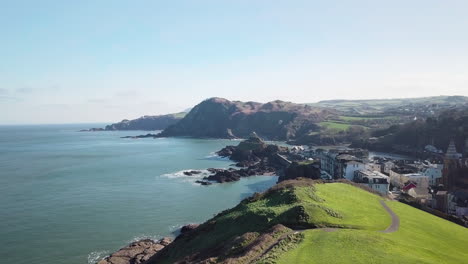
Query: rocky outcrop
<point x="231" y="175"/>
<point x="221" y="118"/>
<point x="94" y="129"/>
<point x="156" y="122"/>
<point x="254" y="156"/>
<point x="149" y="135"/>
<point x="192" y="172"/>
<point x="137" y="252"/>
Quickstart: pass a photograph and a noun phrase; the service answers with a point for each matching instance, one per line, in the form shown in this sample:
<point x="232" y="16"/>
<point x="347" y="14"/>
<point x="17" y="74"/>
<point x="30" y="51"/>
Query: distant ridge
<point x="220" y="118"/>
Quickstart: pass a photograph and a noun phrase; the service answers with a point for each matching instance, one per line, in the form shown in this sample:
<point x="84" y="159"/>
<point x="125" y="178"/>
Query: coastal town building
<point x="373" y="179"/>
<point x="341" y="164"/>
<point x="451" y="195"/>
<point x="387" y="166"/>
<point x="455" y="171"/>
<point x="457" y="203"/>
<point x="350" y="167"/>
<point x="373" y="166"/>
<point x="400" y="180"/>
<point x="432" y="170"/>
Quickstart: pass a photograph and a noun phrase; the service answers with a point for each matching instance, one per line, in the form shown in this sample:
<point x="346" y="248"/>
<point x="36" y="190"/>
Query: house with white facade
<point x="350" y="167"/>
<point x="433" y="172"/>
<point x="373" y="179"/>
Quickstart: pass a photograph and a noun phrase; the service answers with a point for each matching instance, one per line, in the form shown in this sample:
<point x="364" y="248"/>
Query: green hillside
<point x="306" y="222"/>
<point x="421" y="238"/>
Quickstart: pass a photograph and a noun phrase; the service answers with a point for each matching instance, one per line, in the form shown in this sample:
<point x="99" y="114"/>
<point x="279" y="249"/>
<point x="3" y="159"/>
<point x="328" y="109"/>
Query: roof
<point x="409" y="186"/>
<point x="373" y="174"/>
<point x="346" y="157"/>
<point x="354" y="162"/>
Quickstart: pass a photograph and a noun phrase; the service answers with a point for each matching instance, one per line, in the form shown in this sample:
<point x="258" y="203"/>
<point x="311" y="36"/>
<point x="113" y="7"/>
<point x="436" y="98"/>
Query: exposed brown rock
<point x="137" y="252"/>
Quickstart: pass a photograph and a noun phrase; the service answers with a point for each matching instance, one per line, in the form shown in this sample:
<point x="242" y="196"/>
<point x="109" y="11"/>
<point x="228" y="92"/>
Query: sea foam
<point x="96" y="256"/>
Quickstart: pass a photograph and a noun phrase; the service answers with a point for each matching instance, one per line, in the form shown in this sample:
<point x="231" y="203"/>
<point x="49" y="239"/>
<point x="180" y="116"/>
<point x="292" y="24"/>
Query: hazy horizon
<point x="101" y="62"/>
<point x="189" y="108"/>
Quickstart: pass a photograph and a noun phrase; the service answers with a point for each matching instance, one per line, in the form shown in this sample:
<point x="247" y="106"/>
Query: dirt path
<point x="395" y="219"/>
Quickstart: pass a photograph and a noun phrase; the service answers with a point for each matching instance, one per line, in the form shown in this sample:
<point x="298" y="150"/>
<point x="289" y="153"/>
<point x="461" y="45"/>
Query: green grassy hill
<point x="421" y="238"/>
<point x="306" y="222"/>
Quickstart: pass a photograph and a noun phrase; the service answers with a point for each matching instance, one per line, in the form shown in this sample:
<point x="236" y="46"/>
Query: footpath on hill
<point x="395" y="219"/>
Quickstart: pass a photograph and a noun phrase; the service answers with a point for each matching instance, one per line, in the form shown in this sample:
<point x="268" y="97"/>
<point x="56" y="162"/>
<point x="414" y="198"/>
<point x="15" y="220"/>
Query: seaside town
<point x="436" y="185"/>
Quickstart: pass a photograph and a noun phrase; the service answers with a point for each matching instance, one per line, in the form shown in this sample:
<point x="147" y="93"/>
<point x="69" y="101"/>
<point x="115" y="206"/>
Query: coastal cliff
<point x="156" y="122"/>
<point x="221" y="118"/>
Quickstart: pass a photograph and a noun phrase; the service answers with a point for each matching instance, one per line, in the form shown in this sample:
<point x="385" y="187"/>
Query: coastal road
<point x="395" y="219"/>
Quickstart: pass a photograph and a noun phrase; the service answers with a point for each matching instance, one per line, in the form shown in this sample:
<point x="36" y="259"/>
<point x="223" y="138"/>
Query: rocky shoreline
<point x="140" y="251"/>
<point x="137" y="252"/>
<point x="253" y="157"/>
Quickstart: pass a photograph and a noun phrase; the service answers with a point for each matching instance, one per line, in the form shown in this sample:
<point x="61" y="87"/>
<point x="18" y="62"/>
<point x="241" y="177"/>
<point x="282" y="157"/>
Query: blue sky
<point x="102" y="61"/>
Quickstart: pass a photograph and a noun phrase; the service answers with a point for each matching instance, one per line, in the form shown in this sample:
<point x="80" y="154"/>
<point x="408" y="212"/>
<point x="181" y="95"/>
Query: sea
<point x="75" y="197"/>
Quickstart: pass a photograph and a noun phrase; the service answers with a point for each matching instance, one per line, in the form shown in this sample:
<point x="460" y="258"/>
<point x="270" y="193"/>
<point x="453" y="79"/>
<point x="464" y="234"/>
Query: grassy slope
<point x="325" y="204"/>
<point x="334" y="125"/>
<point x="422" y="238"/>
<point x="366" y="211"/>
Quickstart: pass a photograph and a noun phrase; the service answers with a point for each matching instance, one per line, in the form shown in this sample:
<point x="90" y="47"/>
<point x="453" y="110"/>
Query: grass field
<point x="421" y="238"/>
<point x="360" y="118"/>
<point x="334" y="125"/>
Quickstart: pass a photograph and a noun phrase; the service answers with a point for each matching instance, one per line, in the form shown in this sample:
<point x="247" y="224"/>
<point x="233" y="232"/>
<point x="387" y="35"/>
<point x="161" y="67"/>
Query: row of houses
<point x="411" y="177"/>
<point x="353" y="165"/>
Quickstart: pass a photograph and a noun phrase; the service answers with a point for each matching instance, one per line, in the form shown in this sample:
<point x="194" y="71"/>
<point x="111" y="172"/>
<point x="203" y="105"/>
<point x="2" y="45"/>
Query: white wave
<point x="96" y="256"/>
<point x="145" y="236"/>
<point x="214" y="156"/>
<point x="180" y="174"/>
<point x="174" y="228"/>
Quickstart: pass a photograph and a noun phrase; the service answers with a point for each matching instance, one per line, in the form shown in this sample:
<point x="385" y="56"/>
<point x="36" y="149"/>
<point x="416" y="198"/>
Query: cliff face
<point x="158" y="122"/>
<point x="221" y="118"/>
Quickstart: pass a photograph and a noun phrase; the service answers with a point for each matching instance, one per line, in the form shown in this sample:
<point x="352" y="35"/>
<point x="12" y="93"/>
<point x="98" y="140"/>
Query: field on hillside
<point x="421" y="238"/>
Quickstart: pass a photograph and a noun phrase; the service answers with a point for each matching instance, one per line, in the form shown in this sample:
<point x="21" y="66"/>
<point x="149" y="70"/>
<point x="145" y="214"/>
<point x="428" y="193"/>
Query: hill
<point x="158" y="122"/>
<point x="300" y="221"/>
<point x="420" y="107"/>
<point x="413" y="136"/>
<point x="221" y="118"/>
<point x="325" y="122"/>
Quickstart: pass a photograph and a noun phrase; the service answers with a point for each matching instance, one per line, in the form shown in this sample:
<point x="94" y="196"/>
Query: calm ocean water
<point x="73" y="197"/>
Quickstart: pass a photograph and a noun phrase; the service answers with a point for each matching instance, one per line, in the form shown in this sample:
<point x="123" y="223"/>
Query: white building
<point x="433" y="172"/>
<point x="350" y="167"/>
<point x="373" y="179"/>
<point x="388" y="166"/>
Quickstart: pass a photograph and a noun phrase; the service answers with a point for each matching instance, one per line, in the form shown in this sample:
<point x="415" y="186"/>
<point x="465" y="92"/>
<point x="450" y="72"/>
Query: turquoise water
<point x="73" y="197"/>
